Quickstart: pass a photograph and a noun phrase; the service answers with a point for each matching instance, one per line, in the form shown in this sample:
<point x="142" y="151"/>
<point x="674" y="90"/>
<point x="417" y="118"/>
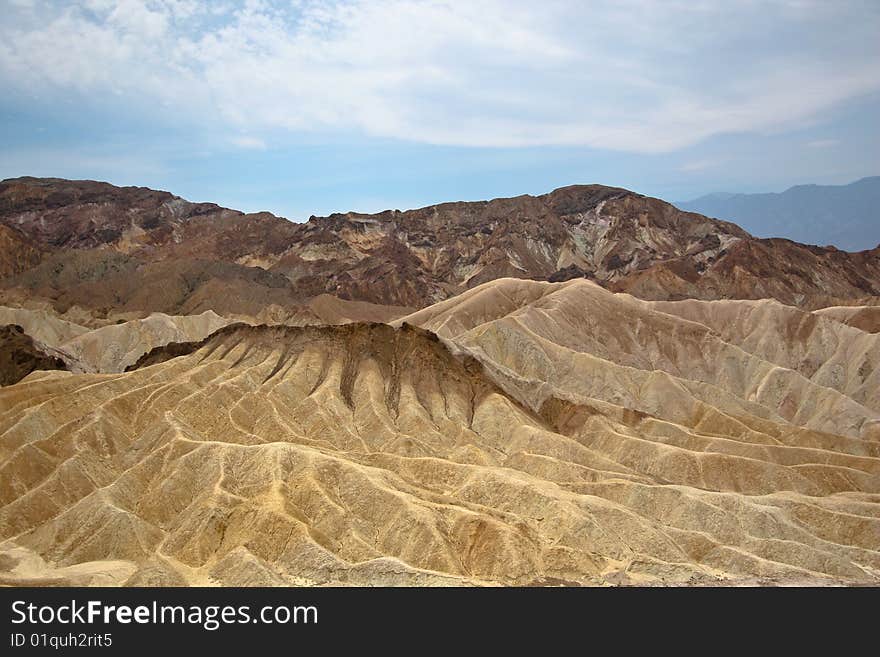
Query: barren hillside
<point x="539" y="444"/>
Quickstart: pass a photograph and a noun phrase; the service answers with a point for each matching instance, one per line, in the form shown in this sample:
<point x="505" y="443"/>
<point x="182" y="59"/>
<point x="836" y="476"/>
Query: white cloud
<point x="253" y="143"/>
<point x="632" y="75"/>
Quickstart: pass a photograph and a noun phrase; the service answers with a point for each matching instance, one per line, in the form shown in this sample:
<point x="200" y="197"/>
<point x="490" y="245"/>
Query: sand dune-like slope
<point x="817" y="345"/>
<point x="866" y="318"/>
<point x="577" y="340"/>
<point x="42" y="325"/>
<point x="113" y="348"/>
<point x="498" y="454"/>
<point x="330" y="309"/>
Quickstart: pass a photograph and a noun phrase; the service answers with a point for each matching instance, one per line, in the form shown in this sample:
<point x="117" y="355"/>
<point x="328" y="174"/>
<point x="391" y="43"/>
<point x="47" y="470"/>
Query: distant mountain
<point x="845" y="216"/>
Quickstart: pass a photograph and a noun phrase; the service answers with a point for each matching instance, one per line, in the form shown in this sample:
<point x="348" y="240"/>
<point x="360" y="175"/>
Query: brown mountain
<point x="99" y="246"/>
<point x="82" y="214"/>
<point x="17" y="252"/>
<point x="20" y="355"/>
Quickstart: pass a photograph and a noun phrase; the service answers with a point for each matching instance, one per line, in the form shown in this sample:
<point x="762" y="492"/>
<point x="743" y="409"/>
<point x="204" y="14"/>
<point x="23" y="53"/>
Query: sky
<point x="311" y="107"/>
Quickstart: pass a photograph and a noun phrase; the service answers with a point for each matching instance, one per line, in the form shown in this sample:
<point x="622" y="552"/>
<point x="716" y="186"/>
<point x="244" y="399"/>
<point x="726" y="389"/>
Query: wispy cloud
<point x="253" y="143"/>
<point x="823" y="143"/>
<point x="626" y="75"/>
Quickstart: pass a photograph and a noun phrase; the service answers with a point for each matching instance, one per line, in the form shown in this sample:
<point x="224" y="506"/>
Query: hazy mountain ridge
<point x="845" y="216"/>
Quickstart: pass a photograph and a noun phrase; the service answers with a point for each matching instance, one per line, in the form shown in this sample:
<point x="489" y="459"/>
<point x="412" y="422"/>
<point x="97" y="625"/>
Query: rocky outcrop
<point x="20" y="355"/>
<point x="17" y="252"/>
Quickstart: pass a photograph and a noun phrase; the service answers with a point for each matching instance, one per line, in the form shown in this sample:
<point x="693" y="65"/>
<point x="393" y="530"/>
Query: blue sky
<point x="312" y="107"/>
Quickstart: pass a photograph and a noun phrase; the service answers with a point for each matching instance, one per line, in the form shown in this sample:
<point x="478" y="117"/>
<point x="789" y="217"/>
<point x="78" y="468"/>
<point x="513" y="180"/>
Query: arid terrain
<point x="589" y="387"/>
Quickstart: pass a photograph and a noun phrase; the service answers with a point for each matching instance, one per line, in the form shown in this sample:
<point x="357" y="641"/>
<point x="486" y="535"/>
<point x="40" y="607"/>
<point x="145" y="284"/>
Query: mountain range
<point x="588" y="387"/>
<point x="111" y="249"/>
<point x="842" y="215"/>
